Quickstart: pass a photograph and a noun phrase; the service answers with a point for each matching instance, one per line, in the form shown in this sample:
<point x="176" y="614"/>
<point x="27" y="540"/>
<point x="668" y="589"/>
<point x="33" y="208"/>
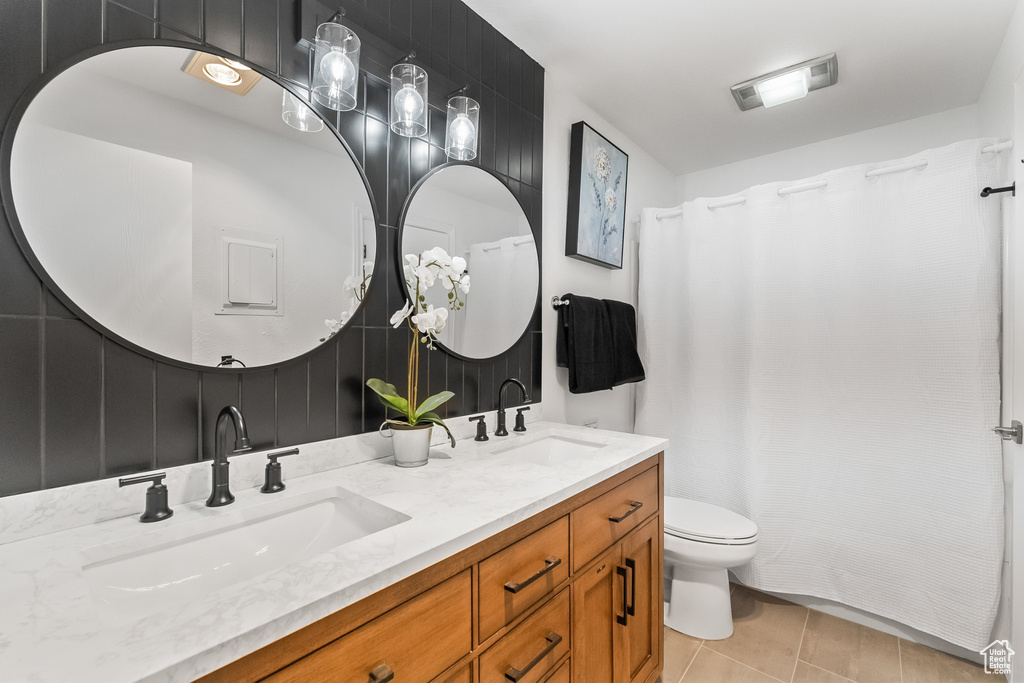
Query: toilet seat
<point x="706" y="523"/>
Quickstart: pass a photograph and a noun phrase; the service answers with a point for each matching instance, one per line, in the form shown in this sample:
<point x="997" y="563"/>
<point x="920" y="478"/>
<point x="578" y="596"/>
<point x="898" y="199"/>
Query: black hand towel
<point x="596" y="341"/>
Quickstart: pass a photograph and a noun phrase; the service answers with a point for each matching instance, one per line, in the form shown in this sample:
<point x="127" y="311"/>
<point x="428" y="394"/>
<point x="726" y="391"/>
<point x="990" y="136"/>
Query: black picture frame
<point x="596" y="219"/>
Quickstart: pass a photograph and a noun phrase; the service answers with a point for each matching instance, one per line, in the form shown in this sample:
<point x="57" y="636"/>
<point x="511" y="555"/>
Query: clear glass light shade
<point x="462" y="129"/>
<point x="336" y="67"/>
<point x="298" y="115"/>
<point x="784" y="88"/>
<point x="408" y="100"/>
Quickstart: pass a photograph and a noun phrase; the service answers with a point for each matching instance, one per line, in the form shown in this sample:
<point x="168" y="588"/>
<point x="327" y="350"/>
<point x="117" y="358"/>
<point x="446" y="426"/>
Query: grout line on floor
<point x="747" y="666"/>
<point x="800" y="647"/>
<point x="833" y="673"/>
<point x="692" y="660"/>
<point x="899" y="653"/>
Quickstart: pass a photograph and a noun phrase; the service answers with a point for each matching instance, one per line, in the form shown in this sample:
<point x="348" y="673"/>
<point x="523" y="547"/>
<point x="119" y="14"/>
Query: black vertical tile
<point x="352" y="129"/>
<point x="376" y="160"/>
<point x="397" y="295"/>
<point x="501" y="64"/>
<point x="488" y="388"/>
<point x="515" y="75"/>
<point x="460" y="403"/>
<point x="526" y="148"/>
<point x="20" y="406"/>
<point x="55" y="308"/>
<point x="488" y="40"/>
<point x="538" y="152"/>
<point x="378" y="93"/>
<point x="501" y="151"/>
<point x="438" y="122"/>
<point x="261" y="33"/>
<point x="471" y="388"/>
<point x="474" y="32"/>
<point x="220" y="389"/>
<point x="146" y="8"/>
<point x="457" y="45"/>
<point x="123" y="24"/>
<point x="515" y="127"/>
<point x="485" y="146"/>
<point x="438" y="156"/>
<point x="401" y="17"/>
<point x="129" y="410"/>
<point x="374" y="367"/>
<point x="295" y="61"/>
<point x="535" y="356"/>
<point x="224" y="24"/>
<point x="177" y="416"/>
<point x="419" y="160"/>
<point x="350" y="381"/>
<point x="398" y="177"/>
<point x="527" y="70"/>
<point x="185" y="16"/>
<point x="20" y="289"/>
<point x="421" y="12"/>
<point x="71" y="27"/>
<point x="397" y="371"/>
<point x="259" y="407"/>
<point x="376" y="17"/>
<point x="323" y="392"/>
<point x="440" y="30"/>
<point x="538" y="90"/>
<point x="436" y="377"/>
<point x="20" y="52"/>
<point x="375" y="307"/>
<point x="72" y="403"/>
<point x="292" y="403"/>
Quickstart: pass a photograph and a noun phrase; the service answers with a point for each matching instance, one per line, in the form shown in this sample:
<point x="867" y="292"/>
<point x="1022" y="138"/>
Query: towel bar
<point x="557" y="301"/>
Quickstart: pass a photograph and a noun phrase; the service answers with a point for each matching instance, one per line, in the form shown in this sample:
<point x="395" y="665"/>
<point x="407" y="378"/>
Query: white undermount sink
<point x="168" y="566"/>
<point x="550" y="448"/>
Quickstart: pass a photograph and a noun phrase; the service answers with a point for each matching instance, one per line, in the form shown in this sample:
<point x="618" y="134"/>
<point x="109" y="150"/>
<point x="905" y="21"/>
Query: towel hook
<point x="557" y="301"/>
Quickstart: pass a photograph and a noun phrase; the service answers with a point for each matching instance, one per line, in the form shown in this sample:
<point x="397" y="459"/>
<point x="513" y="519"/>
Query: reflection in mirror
<point x="468" y="212"/>
<point x="187" y="217"/>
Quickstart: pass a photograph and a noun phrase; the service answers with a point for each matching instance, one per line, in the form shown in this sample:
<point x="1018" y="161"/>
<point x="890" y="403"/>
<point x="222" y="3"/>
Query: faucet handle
<point x="520" y="419"/>
<point x="156" y="496"/>
<point x="272" y="475"/>
<point x="481" y="428"/>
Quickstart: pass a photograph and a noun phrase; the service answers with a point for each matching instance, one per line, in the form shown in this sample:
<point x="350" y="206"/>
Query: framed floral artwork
<point x="596" y="224"/>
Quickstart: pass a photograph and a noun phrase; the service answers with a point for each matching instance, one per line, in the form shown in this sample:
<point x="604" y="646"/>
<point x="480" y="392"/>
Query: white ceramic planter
<point x="411" y="444"/>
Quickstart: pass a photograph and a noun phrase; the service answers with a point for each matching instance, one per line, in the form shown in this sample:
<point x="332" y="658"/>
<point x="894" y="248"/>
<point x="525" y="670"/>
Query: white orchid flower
<point x="401" y="315"/>
<point x="335" y="325"/>
<point x="458" y="265"/>
<point x="446" y="282"/>
<point x="431" y="320"/>
<point x="367" y="268"/>
<point x="464" y="284"/>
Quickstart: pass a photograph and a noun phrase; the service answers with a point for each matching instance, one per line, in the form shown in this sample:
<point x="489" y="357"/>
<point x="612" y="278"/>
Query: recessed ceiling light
<point x="787" y="84"/>
<point x="237" y="66"/>
<point x="222" y="74"/>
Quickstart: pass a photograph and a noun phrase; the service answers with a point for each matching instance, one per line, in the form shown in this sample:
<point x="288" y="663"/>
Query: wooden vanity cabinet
<point x="570" y="595"/>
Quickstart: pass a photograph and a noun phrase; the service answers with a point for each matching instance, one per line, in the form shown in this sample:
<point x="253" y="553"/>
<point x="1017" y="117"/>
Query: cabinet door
<point x="598" y="639"/>
<point x="642" y="558"/>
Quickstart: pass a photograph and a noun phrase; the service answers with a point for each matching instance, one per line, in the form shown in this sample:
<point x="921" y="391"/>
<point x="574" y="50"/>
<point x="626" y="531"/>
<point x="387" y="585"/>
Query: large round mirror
<point x="470" y="213"/>
<point x="191" y="206"/>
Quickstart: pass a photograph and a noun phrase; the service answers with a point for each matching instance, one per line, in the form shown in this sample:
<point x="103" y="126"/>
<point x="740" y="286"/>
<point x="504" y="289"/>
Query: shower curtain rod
<point x="994" y="148"/>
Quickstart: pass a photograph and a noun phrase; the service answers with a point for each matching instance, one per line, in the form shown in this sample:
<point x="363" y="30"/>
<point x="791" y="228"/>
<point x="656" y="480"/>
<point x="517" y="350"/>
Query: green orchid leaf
<point x="436" y="419"/>
<point x="433" y="402"/>
<point x="389" y="397"/>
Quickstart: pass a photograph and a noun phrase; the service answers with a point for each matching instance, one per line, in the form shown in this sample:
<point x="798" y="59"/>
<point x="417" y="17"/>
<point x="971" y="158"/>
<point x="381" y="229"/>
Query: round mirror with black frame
<point x="189" y="206"/>
<point x="469" y="212"/>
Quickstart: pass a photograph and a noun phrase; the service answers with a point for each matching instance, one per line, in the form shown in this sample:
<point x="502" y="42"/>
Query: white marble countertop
<point x="53" y="627"/>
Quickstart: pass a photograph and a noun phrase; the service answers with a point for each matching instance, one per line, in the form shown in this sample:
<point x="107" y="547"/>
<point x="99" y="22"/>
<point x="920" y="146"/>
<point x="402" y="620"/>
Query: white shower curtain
<point x="826" y="363"/>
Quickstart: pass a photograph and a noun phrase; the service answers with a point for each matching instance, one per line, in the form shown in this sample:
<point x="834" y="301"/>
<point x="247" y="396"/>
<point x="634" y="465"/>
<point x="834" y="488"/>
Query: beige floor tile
<point x="679" y="652"/>
<point x="766" y="633"/>
<point x="924" y="665"/>
<point x="711" y="667"/>
<point x="805" y="673"/>
<point x="857" y="652"/>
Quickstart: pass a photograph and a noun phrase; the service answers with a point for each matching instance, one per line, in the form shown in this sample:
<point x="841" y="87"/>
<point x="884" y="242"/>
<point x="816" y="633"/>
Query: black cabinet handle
<point x="550" y="563"/>
<point x="623" y="618"/>
<point x="381" y="674"/>
<point x="636" y="505"/>
<point x="631" y="565"/>
<point x="513" y="674"/>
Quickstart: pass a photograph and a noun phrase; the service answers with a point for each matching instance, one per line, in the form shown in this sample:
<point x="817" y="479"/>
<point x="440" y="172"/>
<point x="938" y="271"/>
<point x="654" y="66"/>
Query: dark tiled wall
<point x="76" y="406"/>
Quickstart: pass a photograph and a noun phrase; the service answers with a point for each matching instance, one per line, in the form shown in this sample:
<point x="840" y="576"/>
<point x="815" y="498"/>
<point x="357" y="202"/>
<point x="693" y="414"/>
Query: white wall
<point x="648" y="184"/>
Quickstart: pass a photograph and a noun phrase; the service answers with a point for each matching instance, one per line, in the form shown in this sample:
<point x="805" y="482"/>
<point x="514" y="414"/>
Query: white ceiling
<point x="660" y="70"/>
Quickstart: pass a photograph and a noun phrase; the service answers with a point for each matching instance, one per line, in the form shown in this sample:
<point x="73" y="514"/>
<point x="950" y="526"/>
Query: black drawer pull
<point x="381" y="674"/>
<point x="550" y="563"/>
<point x="636" y="506"/>
<point x="513" y="674"/>
<point x="623" y="618"/>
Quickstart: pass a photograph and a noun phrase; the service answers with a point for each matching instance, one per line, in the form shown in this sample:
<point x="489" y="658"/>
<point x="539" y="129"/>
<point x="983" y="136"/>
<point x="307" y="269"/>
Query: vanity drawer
<point x="417" y="640"/>
<point x="461" y="674"/>
<point x="609" y="517"/>
<point x="560" y="676"/>
<point x="522" y="574"/>
<point x="529" y="651"/>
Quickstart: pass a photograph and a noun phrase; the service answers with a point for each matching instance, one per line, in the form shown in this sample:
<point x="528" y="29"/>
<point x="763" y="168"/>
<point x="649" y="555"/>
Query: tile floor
<point x="775" y="640"/>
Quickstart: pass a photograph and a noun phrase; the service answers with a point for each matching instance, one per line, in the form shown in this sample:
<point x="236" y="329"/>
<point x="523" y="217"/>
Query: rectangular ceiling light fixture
<point x="788" y="84"/>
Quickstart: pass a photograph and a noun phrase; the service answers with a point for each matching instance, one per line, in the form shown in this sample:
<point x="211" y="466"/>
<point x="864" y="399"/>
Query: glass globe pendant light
<point x="298" y="115"/>
<point x="462" y="128"/>
<point x="408" y="100"/>
<point x="336" y="66"/>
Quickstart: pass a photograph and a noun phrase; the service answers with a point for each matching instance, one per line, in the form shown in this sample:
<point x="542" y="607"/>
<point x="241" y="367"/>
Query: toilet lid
<point x="705" y="522"/>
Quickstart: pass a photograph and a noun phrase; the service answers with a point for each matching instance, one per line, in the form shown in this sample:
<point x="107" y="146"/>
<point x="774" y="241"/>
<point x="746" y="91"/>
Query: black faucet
<point x="501" y="430"/>
<point x="221" y="494"/>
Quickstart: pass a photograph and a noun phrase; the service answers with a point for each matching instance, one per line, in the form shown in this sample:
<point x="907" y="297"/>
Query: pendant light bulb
<point x="338" y="70"/>
<point x="408" y="103"/>
<point x="408" y="100"/>
<point x="463" y="131"/>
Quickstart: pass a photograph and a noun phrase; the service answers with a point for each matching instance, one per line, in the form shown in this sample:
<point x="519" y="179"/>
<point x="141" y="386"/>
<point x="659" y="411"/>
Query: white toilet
<point x="702" y="542"/>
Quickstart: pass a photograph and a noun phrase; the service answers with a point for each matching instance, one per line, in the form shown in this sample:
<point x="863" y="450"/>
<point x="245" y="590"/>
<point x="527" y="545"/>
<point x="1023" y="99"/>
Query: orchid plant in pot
<point x="410" y="432"/>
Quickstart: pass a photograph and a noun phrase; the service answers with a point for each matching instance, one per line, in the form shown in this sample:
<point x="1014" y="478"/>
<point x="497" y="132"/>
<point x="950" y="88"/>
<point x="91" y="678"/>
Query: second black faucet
<point x="502" y="430"/>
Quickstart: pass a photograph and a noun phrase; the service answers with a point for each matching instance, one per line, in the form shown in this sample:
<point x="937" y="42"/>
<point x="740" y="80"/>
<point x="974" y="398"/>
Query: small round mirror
<point x="470" y="213"/>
